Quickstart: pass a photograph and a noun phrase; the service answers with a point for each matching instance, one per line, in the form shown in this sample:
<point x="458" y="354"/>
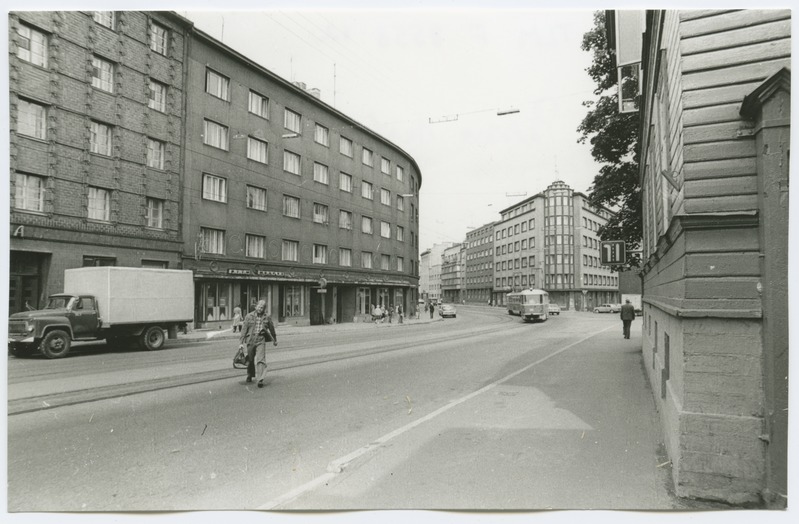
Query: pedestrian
<point x="237" y="319"/>
<point x="390" y="314"/>
<point x="375" y="313"/>
<point x="399" y="312"/>
<point x="432" y="309"/>
<point x="257" y="330"/>
<point x="627" y="316"/>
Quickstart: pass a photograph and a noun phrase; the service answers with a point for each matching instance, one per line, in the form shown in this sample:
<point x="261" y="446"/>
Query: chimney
<point x="314" y="91"/>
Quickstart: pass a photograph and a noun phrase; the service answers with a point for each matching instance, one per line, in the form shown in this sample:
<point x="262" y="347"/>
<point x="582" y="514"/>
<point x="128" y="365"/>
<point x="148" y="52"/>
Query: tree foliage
<point x="614" y="139"/>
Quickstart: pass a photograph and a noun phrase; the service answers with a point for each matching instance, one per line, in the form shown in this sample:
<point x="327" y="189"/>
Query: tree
<point x="614" y="139"/>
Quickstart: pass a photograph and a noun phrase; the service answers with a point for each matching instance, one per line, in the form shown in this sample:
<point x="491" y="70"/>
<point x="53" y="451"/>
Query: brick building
<point x="715" y="104"/>
<point x="96" y="121"/>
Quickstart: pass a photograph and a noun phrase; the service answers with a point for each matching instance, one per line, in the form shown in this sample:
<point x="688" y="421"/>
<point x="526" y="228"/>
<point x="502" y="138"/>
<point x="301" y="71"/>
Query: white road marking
<point x="337" y="466"/>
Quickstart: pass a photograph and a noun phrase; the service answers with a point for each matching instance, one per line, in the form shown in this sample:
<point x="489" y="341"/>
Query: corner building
<point x="95" y="156"/>
<point x="550" y="241"/>
<point x="288" y="200"/>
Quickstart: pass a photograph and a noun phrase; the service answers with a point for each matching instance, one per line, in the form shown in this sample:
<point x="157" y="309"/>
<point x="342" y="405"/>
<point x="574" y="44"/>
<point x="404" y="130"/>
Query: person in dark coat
<point x="432" y="309"/>
<point x="627" y="316"/>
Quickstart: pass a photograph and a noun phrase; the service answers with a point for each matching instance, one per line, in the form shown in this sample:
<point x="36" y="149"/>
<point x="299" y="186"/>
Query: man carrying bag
<point x="256" y="331"/>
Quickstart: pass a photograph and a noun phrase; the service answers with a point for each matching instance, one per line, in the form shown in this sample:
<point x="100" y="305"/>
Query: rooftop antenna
<point x="557" y="175"/>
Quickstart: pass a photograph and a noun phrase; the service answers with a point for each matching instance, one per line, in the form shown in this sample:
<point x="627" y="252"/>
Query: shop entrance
<point x="24" y="281"/>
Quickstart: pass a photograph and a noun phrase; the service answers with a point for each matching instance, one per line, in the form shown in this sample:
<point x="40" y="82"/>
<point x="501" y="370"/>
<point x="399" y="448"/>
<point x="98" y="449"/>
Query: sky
<point x="432" y="82"/>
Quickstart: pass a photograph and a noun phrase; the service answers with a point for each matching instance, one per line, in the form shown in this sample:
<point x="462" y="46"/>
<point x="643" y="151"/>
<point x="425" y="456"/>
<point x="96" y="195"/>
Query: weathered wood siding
<point x="724" y="56"/>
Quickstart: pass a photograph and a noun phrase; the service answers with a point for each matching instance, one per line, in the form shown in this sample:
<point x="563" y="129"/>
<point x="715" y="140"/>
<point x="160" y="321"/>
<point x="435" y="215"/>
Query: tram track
<point x="81" y="396"/>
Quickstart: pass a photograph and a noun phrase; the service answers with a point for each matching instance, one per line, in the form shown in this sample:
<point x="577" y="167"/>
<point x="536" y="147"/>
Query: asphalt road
<point x="478" y="412"/>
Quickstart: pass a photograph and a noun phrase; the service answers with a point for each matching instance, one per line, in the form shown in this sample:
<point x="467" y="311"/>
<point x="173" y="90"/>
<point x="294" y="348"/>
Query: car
<point x="447" y="310"/>
<point x="607" y="308"/>
<point x="554" y="309"/>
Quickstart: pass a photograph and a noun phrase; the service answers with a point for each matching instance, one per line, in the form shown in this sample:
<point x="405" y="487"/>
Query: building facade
<point x="714" y="174"/>
<point x="479" y="265"/>
<point x="550" y="241"/>
<point x="96" y="132"/>
<point x="138" y="140"/>
<point x="452" y="274"/>
<point x="288" y="200"/>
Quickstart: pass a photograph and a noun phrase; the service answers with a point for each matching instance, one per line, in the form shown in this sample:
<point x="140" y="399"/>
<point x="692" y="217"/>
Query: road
<point x="478" y="412"/>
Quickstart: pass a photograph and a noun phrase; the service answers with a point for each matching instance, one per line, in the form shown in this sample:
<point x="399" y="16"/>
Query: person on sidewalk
<point x="390" y="314"/>
<point x="256" y="331"/>
<point x="627" y="316"/>
<point x="237" y="319"/>
<point x="432" y="309"/>
<point x="399" y="312"/>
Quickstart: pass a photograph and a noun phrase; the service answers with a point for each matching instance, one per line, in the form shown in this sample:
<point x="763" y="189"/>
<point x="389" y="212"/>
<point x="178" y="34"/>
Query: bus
<point x="530" y="304"/>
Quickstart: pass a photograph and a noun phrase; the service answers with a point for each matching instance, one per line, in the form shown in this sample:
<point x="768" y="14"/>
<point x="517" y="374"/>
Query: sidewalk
<point x="204" y="334"/>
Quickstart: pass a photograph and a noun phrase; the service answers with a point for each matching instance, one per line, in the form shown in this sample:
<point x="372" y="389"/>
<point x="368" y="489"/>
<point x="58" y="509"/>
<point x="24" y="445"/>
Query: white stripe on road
<point x="336" y="466"/>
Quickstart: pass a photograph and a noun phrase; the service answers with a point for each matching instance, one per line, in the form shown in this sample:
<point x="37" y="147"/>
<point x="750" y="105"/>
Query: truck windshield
<point x="58" y="302"/>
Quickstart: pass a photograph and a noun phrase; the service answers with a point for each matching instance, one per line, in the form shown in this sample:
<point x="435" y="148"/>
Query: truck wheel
<point x="55" y="344"/>
<point x="152" y="338"/>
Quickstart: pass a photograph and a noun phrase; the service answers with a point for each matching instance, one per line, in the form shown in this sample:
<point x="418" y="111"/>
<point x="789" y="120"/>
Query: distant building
<point x="452" y="273"/>
<point x="714" y="165"/>
<point x="478" y="279"/>
<point x="551" y="241"/>
<point x="430" y="281"/>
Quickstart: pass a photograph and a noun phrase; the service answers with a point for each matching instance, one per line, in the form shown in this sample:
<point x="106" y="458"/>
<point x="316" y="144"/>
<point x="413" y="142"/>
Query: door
<point x="84" y="318"/>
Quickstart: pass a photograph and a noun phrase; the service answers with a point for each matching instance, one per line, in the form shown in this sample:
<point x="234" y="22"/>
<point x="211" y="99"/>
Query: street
<point x="478" y="412"/>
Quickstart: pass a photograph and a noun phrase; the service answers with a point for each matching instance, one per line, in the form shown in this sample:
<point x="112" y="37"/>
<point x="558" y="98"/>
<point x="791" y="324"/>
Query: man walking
<point x="627" y="316"/>
<point x="256" y="331"/>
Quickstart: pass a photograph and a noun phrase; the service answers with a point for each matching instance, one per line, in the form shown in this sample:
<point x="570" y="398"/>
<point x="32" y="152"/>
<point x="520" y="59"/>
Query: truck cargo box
<point x="130" y="295"/>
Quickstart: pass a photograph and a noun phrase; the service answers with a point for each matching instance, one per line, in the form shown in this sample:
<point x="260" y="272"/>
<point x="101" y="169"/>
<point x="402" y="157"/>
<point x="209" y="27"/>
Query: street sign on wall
<point x="612" y="252"/>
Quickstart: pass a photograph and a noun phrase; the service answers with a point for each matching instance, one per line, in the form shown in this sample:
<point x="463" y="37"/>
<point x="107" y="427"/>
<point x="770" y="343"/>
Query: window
<point x="214" y="188"/>
<point x="385" y="166"/>
<point x="292" y="121"/>
<point x="92" y="261"/>
<point x="400" y="203"/>
<point x="213" y="241"/>
<point x="367" y="157"/>
<point x="29" y="192"/>
<point x="319" y="254"/>
<point x="31" y="119"/>
<point x="217" y="85"/>
<point x="290" y="250"/>
<point x="256" y="198"/>
<point x="345" y="257"/>
<point x="293" y="301"/>
<point x="159" y="38"/>
<point x="400" y="233"/>
<point x="32" y="45"/>
<point x="385" y="229"/>
<point x="215" y="135"/>
<point x="400" y="264"/>
<point x="385" y="197"/>
<point x="366" y="260"/>
<point x="366" y="225"/>
<point x="320" y="213"/>
<point x="320" y="173"/>
<point x="385" y="262"/>
<point x="291" y="206"/>
<point x="344" y="219"/>
<point x="155" y="153"/>
<point x="155" y="213"/>
<point x="345" y="146"/>
<point x="157" y="96"/>
<point x="366" y="190"/>
<point x="254" y="246"/>
<point x="400" y="173"/>
<point x="105" y="18"/>
<point x="321" y="135"/>
<point x="100" y="139"/>
<point x="102" y="74"/>
<point x="257" y="150"/>
<point x="345" y="182"/>
<point x="259" y="105"/>
<point x="291" y="162"/>
<point x="99" y="204"/>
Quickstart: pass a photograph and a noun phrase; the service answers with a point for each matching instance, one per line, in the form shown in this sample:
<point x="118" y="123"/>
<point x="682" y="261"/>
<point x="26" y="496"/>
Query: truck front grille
<point x="16" y="328"/>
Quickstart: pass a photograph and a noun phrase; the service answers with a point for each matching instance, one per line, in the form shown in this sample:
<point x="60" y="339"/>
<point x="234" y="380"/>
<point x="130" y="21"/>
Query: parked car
<point x="554" y="309"/>
<point x="447" y="310"/>
<point x="607" y="308"/>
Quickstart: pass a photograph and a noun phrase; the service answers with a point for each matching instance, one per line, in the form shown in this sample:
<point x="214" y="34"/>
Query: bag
<point x="240" y="359"/>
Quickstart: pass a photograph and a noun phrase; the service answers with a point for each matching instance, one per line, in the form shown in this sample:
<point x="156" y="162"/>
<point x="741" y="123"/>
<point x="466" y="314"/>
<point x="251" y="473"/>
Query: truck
<point x="117" y="304"/>
<point x="635" y="300"/>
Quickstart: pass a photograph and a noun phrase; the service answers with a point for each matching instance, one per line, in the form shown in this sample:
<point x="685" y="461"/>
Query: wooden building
<point x="714" y="156"/>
